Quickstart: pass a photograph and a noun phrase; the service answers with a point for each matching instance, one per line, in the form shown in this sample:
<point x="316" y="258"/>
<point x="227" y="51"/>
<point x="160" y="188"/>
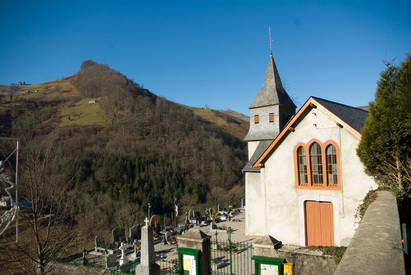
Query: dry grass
<point x="83" y="113"/>
<point x="207" y="114"/>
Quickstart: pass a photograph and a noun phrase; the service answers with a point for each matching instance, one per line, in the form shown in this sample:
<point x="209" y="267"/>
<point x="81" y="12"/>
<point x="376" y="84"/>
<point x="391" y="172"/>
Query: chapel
<point x="303" y="180"/>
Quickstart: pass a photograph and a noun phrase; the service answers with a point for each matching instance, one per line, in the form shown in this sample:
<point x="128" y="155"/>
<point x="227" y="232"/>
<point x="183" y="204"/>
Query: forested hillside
<point x="121" y="147"/>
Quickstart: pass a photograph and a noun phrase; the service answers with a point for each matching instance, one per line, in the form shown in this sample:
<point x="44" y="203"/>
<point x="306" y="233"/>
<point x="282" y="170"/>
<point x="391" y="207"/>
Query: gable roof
<point x="346" y="116"/>
<point x="261" y="148"/>
<point x="353" y="116"/>
<point x="272" y="92"/>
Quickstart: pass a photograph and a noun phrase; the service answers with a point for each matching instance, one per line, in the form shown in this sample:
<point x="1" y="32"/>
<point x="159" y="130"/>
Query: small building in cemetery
<point x="304" y="180"/>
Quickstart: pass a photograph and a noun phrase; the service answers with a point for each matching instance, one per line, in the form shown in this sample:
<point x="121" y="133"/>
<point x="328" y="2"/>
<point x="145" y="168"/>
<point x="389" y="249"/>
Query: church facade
<point x="304" y="180"/>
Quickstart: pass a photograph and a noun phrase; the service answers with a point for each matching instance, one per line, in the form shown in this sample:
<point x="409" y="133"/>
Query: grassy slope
<point x="83" y="113"/>
<point x="207" y="114"/>
<point x="238" y="129"/>
<point x="77" y="111"/>
<point x="74" y="110"/>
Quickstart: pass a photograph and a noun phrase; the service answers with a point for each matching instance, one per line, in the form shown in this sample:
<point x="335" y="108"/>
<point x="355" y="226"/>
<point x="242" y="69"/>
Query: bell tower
<point x="269" y="112"/>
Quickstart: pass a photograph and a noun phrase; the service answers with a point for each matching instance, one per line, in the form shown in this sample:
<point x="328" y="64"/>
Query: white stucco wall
<point x="283" y="205"/>
<point x="254" y="205"/>
<point x="252" y="145"/>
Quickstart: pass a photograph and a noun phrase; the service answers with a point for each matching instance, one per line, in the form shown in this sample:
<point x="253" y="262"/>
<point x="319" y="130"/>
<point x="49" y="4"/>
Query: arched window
<point x="302" y="166"/>
<point x="332" y="165"/>
<point x="316" y="164"/>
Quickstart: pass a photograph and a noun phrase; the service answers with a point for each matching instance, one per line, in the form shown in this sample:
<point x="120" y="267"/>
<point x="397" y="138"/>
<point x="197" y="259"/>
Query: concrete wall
<point x="375" y="248"/>
<point x="274" y="198"/>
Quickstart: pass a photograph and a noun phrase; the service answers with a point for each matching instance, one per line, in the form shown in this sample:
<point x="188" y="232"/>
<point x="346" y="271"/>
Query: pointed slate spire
<point x="272" y="92"/>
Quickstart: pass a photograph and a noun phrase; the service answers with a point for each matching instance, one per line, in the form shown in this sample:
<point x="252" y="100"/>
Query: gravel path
<point x="238" y="235"/>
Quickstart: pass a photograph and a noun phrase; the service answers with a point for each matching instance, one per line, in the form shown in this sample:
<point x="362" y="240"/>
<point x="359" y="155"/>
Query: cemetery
<point x="125" y="252"/>
<point x="222" y="247"/>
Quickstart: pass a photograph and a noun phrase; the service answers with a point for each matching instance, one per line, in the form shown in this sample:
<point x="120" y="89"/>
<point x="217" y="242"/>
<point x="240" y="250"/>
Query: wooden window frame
<point x="256" y="119"/>
<point x="325" y="185"/>
<point x="271" y="117"/>
<point x="316" y="164"/>
<point x="302" y="167"/>
<point x="332" y="168"/>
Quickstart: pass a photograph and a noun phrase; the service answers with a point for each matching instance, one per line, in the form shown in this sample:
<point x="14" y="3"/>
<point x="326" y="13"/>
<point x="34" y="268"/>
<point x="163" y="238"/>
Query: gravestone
<point x="243" y="203"/>
<point x="167" y="222"/>
<point x="111" y="260"/>
<point x="118" y="234"/>
<point x="167" y="236"/>
<point x="99" y="244"/>
<point x="135" y="232"/>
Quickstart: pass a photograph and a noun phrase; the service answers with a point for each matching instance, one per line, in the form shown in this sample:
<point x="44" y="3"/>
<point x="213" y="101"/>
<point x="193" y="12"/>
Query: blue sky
<point x="210" y="53"/>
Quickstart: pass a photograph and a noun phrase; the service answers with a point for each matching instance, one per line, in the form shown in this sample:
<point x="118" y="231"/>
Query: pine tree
<point x="386" y="137"/>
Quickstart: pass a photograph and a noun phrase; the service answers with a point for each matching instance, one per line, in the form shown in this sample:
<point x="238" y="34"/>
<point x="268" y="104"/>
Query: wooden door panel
<point x="327" y="224"/>
<point x="319" y="223"/>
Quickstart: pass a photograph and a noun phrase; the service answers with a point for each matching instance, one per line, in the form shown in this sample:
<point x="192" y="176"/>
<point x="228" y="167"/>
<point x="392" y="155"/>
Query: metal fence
<point x="168" y="267"/>
<point x="226" y="258"/>
<point x="232" y="257"/>
<point x="128" y="267"/>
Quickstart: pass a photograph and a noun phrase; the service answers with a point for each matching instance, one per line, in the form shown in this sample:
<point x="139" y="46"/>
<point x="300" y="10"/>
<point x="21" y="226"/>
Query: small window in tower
<point x="271" y="117"/>
<point x="256" y="119"/>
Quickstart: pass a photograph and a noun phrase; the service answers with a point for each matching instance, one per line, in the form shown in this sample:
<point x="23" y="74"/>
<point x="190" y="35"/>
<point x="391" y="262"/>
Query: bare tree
<point x="46" y="227"/>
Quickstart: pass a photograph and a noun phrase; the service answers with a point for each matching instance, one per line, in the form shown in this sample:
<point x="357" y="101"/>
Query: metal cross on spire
<point x="269" y="32"/>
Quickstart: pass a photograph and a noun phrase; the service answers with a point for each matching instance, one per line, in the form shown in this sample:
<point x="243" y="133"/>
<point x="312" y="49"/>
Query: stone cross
<point x="122" y="248"/>
<point x="147" y="264"/>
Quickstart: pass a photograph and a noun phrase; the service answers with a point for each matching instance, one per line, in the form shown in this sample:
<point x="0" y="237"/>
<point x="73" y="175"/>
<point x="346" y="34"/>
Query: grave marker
<point x="118" y="234"/>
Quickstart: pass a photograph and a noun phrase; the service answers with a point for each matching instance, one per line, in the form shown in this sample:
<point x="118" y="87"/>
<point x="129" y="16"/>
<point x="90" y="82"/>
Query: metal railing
<point x="231" y="257"/>
<point x="168" y="267"/>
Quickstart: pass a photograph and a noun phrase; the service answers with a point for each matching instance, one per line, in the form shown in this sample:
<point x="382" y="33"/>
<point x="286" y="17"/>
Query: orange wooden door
<point x="319" y="223"/>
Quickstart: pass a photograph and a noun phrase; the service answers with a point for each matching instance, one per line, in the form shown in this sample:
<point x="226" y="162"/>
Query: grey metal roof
<point x="272" y="92"/>
<point x="255" y="136"/>
<point x="261" y="147"/>
<point x="353" y="116"/>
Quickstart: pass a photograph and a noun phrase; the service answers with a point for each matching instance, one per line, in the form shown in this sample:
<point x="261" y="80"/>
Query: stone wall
<point x="374" y="249"/>
<point x="376" y="245"/>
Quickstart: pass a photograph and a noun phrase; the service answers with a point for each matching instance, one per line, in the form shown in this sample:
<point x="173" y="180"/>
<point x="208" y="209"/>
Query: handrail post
<point x="404" y="238"/>
<point x="229" y="232"/>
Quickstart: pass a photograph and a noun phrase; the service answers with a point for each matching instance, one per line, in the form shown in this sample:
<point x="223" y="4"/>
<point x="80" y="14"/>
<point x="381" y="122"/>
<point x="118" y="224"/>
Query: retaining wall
<point x="376" y="245"/>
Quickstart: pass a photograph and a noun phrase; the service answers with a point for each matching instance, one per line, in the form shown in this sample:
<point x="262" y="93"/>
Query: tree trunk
<point x="399" y="177"/>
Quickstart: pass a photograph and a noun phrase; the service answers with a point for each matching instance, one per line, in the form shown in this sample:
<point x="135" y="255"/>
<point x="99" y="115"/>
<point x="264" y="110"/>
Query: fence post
<point x="194" y="251"/>
<point x="229" y="232"/>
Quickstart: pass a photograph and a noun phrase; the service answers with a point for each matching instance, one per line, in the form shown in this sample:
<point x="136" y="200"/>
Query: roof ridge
<point x="337" y="103"/>
<point x="353" y="122"/>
